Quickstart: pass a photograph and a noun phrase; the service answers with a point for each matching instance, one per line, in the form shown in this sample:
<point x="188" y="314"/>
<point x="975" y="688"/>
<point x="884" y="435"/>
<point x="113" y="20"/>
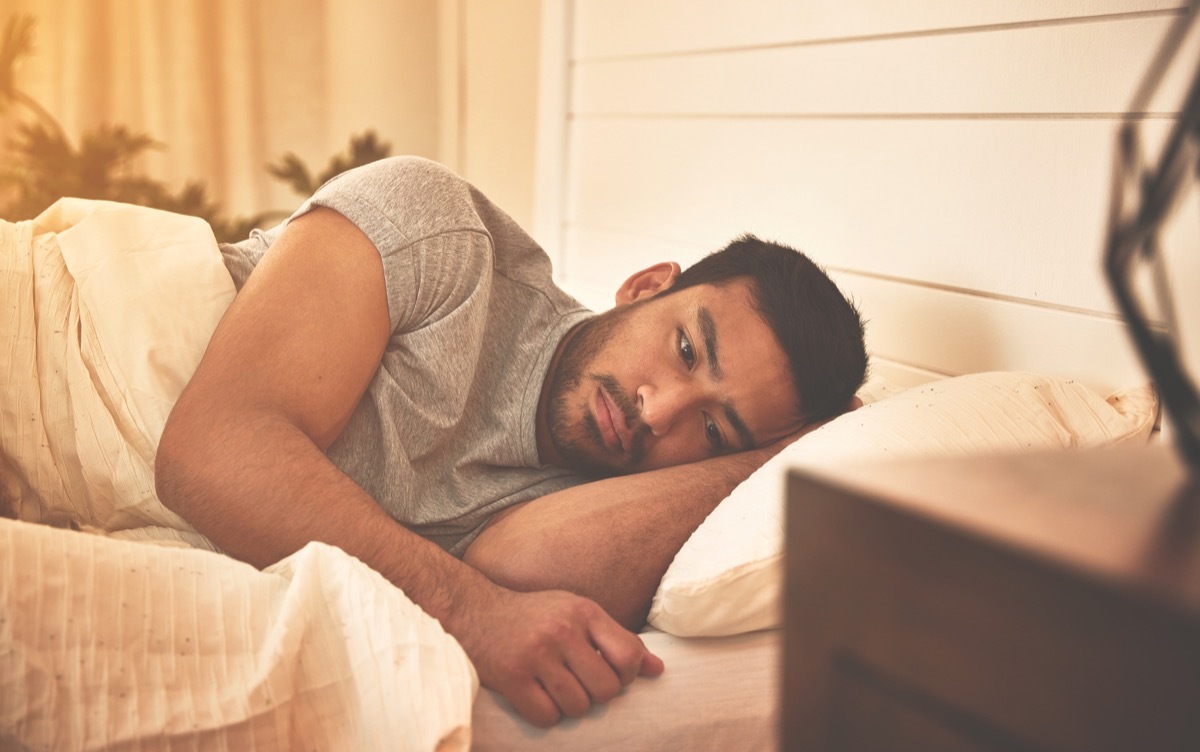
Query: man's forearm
<point x="611" y="540"/>
<point x="260" y="490"/>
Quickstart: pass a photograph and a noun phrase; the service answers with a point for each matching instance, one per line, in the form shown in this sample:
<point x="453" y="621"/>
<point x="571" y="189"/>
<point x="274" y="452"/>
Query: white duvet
<point x="108" y="641"/>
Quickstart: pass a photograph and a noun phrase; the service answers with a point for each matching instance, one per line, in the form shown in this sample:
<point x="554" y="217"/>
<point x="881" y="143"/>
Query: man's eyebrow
<point x="708" y="331"/>
<point x="745" y="438"/>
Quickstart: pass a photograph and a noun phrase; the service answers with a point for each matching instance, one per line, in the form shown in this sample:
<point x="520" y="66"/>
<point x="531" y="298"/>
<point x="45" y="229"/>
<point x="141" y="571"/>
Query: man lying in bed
<point x="398" y="369"/>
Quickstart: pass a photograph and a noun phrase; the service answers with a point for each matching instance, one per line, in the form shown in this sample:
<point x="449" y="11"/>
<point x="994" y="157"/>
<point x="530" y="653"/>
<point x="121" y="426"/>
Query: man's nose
<point x="662" y="404"/>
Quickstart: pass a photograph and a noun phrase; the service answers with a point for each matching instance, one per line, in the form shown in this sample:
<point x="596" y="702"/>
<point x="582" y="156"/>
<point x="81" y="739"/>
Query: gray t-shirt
<point x="445" y="435"/>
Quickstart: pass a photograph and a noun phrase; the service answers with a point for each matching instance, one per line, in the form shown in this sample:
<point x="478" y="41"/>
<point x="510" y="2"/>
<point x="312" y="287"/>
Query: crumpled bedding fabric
<point x="120" y="645"/>
<point x="107" y="310"/>
<point x="107" y="642"/>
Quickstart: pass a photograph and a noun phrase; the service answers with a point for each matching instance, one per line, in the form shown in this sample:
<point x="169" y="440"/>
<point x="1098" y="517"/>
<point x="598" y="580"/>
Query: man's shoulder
<point x="399" y="201"/>
<point x="403" y="178"/>
<point x="425" y="171"/>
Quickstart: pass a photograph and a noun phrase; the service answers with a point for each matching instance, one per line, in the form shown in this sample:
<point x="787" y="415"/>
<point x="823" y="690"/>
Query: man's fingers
<point x="534" y="704"/>
<point x="623" y="650"/>
<point x="568" y="694"/>
<point x="553" y="654"/>
<point x="652" y="665"/>
<point x="595" y="674"/>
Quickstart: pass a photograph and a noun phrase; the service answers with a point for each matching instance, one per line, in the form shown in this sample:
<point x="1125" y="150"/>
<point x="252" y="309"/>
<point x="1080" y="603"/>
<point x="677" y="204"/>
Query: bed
<point x="1009" y="345"/>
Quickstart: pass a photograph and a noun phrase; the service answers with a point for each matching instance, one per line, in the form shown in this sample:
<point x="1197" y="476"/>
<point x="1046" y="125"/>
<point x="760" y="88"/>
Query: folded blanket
<point x="107" y="309"/>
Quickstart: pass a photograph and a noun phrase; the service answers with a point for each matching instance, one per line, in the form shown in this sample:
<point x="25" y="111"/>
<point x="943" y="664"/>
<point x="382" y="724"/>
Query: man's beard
<point x="572" y="441"/>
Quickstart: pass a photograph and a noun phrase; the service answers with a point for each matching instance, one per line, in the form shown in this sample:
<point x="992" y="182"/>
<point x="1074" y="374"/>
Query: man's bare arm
<point x="242" y="459"/>
<point x="610" y="540"/>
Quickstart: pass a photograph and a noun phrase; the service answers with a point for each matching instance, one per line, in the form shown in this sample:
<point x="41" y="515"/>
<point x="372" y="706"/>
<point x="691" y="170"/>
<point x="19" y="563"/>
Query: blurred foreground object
<point x="1145" y="195"/>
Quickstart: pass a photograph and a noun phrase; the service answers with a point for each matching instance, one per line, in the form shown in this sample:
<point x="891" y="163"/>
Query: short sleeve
<point x="419" y="215"/>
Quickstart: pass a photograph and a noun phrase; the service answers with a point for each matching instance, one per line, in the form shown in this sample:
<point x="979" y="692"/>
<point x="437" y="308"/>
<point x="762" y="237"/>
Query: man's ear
<point x="648" y="282"/>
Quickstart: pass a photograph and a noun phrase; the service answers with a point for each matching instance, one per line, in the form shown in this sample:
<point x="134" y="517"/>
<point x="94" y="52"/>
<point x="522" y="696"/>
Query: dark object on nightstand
<point x="1033" y="602"/>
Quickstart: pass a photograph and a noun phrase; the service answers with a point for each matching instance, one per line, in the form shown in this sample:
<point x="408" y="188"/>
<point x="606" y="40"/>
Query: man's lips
<point x="611" y="421"/>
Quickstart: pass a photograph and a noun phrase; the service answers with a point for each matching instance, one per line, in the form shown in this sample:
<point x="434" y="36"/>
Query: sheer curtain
<point x="230" y="85"/>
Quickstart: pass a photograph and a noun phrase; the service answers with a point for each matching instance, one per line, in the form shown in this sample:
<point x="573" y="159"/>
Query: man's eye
<point x="712" y="432"/>
<point x="685" y="350"/>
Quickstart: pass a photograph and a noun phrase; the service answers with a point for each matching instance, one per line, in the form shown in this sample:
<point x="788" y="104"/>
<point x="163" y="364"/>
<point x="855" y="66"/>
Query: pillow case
<point x="727" y="578"/>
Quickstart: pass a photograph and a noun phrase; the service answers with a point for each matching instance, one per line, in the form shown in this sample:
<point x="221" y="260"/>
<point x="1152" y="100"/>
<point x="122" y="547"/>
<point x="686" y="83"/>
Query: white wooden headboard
<point x="948" y="162"/>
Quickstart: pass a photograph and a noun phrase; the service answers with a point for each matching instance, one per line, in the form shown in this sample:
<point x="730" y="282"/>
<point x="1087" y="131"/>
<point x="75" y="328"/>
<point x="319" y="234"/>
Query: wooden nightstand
<point x="1033" y="602"/>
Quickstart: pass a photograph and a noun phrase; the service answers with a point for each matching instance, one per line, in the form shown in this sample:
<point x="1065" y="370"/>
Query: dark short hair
<point x="818" y="328"/>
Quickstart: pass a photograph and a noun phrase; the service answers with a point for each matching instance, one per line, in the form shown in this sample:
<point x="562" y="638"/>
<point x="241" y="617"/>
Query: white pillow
<point x="727" y="577"/>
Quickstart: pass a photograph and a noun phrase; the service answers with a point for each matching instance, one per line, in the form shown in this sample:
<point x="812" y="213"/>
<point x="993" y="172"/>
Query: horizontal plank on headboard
<point x="1013" y="208"/>
<point x="1073" y="69"/>
<point x="614" y="28"/>
<point x="955" y="332"/>
<point x="893" y="374"/>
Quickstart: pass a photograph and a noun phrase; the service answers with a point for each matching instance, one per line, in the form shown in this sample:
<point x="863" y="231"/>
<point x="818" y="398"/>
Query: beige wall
<point x="489" y="54"/>
<point x="498" y="137"/>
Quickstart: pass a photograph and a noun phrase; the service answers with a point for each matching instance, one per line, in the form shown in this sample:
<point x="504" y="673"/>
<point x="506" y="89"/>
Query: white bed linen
<point x="107" y="309"/>
<point x="112" y="644"/>
<point x="716" y="694"/>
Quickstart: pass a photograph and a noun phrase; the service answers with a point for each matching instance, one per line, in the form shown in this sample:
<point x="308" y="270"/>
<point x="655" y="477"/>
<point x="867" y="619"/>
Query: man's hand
<point x="551" y="653"/>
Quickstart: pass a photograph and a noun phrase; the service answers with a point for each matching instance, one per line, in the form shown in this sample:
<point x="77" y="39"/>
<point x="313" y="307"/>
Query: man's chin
<point x="582" y="450"/>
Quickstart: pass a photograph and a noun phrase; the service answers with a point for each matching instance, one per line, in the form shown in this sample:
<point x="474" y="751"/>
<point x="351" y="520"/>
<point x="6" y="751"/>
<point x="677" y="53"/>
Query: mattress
<point x="716" y="694"/>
